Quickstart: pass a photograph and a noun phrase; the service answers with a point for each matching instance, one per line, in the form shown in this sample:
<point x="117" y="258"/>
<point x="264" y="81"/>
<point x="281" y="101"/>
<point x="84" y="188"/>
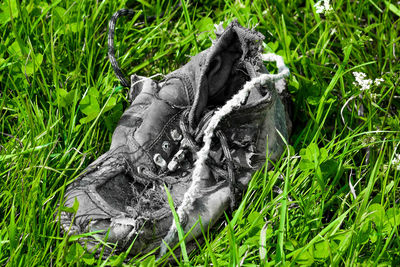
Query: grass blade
<point x="178" y="226"/>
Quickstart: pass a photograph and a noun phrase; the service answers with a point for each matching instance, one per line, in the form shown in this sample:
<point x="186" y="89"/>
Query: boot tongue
<point x="210" y="70"/>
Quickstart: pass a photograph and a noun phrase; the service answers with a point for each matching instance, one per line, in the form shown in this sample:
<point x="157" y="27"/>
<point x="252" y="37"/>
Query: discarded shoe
<point x="202" y="131"/>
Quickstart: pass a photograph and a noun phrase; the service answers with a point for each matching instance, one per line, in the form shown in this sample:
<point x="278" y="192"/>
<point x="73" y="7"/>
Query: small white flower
<point x="327" y="7"/>
<point x="323" y="6"/>
<point x="378" y="81"/>
<point x="359" y="75"/>
<point x="396" y="162"/>
<point x="365" y="84"/>
<point x="319" y="8"/>
<point x="375" y="96"/>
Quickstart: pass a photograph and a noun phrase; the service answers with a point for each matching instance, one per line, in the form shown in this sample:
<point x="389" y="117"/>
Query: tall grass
<point x="332" y="199"/>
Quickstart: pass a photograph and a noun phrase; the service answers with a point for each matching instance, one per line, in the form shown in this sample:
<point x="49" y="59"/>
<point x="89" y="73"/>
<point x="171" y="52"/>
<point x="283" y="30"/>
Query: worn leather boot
<point x="160" y="141"/>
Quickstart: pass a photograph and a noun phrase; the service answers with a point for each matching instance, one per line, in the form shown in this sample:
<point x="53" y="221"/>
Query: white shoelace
<point x="236" y="101"/>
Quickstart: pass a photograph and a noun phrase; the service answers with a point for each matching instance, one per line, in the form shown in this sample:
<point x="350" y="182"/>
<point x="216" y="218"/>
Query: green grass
<point x="333" y="198"/>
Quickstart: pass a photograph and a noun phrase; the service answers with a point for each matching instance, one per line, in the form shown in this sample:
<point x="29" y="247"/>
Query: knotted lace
<point x="189" y="144"/>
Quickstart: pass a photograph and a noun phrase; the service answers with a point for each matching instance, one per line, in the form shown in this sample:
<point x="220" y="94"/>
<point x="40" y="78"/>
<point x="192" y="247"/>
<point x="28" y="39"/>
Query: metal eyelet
<point x="160" y="161"/>
<point x="172" y="165"/>
<point x="140" y="169"/>
<point x="166" y="146"/>
<point x="175" y="135"/>
<point x="178" y="157"/>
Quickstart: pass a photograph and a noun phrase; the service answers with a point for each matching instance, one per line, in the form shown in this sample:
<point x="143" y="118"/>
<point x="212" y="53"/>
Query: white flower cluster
<point x="323" y="6"/>
<point x="396" y="162"/>
<point x="378" y="81"/>
<point x="364" y="83"/>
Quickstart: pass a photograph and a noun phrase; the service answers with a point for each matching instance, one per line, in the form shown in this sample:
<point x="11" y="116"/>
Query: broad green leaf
<point x="305" y="258"/>
<point x="60" y="13"/>
<point x="149" y="262"/>
<point x="88" y="118"/>
<point x="288" y="40"/>
<point x="272" y="46"/>
<point x="308" y="157"/>
<point x="340" y="237"/>
<point x="364" y="232"/>
<point x="323" y="155"/>
<point x="373" y="236"/>
<point x="312" y="151"/>
<point x="377" y="215"/>
<point x="14" y="49"/>
<point x="31" y="66"/>
<point x="67" y="98"/>
<point x="75" y="26"/>
<point x="289" y="245"/>
<point x="256" y="221"/>
<point x="281" y="53"/>
<point x="79" y="249"/>
<point x="387" y="228"/>
<point x="74" y="253"/>
<point x="312" y="157"/>
<point x="5" y="15"/>
<point x="29" y="7"/>
<point x="252" y="240"/>
<point x="330" y="100"/>
<point x="393" y="216"/>
<point x="93" y="92"/>
<point x="313" y="100"/>
<point x="205" y="24"/>
<point x="43" y="6"/>
<point x="92" y="108"/>
<point x="306" y="164"/>
<point x="88" y="258"/>
<point x="71" y="255"/>
<point x="254" y="216"/>
<point x="110" y="104"/>
<point x="204" y="27"/>
<point x="322" y="250"/>
<point x="304" y="155"/>
<point x="294" y="82"/>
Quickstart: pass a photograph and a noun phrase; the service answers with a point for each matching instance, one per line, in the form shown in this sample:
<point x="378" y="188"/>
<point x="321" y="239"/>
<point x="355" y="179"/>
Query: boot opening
<point x="226" y="74"/>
